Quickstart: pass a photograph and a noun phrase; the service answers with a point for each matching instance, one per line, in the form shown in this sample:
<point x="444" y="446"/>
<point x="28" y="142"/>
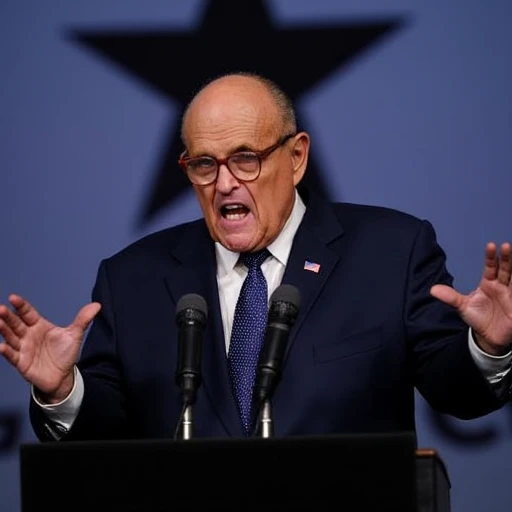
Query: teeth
<point x="234" y="212"/>
<point x="235" y="216"/>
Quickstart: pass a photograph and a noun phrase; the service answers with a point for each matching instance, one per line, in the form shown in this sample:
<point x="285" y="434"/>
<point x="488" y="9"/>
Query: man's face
<point x="240" y="116"/>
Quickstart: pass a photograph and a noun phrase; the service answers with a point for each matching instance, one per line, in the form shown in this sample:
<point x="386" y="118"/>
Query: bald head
<point x="246" y="95"/>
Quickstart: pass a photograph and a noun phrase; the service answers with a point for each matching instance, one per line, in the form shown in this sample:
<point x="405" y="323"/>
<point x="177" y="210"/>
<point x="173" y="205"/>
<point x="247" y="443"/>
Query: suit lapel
<point x="319" y="228"/>
<point x="196" y="274"/>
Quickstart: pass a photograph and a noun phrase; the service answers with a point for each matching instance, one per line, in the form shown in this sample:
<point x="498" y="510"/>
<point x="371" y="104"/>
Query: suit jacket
<point x="367" y="334"/>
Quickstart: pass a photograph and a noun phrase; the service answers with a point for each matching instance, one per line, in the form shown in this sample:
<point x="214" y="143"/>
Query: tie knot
<point x="254" y="260"/>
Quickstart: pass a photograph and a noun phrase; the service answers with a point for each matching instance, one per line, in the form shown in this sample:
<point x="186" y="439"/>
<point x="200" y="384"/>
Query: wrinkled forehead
<point x="232" y="113"/>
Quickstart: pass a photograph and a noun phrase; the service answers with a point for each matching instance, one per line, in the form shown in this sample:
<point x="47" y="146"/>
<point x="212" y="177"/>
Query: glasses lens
<point x="245" y="165"/>
<point x="201" y="170"/>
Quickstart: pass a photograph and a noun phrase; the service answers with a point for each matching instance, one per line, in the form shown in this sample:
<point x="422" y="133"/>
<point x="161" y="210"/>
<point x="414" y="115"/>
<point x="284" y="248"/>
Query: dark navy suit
<point x="368" y="332"/>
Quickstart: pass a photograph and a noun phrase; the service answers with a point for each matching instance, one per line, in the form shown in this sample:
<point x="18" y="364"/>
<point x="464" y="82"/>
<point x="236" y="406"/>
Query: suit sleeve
<point x="444" y="371"/>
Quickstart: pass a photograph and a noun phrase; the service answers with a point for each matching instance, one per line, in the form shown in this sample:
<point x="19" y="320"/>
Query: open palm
<point x="488" y="308"/>
<point x="43" y="353"/>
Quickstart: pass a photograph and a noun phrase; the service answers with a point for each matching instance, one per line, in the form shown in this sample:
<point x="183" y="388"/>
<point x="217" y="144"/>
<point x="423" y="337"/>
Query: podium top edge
<point x="406" y="437"/>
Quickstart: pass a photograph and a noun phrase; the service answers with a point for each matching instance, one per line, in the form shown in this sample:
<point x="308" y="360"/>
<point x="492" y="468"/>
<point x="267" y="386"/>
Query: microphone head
<point x="191" y="308"/>
<point x="286" y="293"/>
<point x="284" y="304"/>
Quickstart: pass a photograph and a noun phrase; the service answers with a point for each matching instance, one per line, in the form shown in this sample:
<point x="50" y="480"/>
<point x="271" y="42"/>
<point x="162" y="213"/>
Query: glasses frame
<point x="261" y="155"/>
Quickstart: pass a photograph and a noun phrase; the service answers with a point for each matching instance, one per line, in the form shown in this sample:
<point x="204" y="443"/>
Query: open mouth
<point x="234" y="211"/>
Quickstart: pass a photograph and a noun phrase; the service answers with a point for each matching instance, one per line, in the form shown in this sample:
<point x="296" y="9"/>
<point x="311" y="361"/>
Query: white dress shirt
<point x="230" y="277"/>
<point x="231" y="272"/>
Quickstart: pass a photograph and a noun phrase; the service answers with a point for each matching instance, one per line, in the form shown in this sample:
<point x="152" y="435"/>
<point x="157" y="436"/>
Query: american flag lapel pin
<point x="312" y="266"/>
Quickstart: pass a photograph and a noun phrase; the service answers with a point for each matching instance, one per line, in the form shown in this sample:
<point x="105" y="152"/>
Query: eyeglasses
<point x="243" y="165"/>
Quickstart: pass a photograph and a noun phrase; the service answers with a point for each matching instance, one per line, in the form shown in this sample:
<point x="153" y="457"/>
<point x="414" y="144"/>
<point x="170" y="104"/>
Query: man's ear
<point x="300" y="154"/>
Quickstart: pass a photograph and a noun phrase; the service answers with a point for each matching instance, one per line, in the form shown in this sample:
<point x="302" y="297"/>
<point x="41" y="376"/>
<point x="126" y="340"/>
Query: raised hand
<point x="43" y="353"/>
<point x="488" y="308"/>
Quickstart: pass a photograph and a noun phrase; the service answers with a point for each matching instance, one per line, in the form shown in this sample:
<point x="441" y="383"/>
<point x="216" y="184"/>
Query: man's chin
<point x="238" y="242"/>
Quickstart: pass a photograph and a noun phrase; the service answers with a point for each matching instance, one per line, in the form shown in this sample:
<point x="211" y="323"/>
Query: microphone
<point x="283" y="311"/>
<point x="191" y="316"/>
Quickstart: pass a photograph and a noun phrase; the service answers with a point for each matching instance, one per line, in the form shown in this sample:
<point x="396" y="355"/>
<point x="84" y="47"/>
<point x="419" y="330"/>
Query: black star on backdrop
<point x="232" y="36"/>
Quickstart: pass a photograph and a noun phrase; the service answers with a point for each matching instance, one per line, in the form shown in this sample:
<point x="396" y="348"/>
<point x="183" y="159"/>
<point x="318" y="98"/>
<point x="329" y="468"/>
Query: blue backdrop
<point x="420" y="121"/>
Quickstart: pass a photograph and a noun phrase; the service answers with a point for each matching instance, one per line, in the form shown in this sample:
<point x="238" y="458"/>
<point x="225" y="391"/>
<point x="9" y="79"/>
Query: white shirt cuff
<point x="494" y="368"/>
<point x="66" y="411"/>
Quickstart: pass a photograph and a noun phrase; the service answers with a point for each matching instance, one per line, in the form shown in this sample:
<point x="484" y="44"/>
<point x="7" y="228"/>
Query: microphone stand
<point x="186" y="424"/>
<point x="191" y="316"/>
<point x="266" y="426"/>
<point x="283" y="310"/>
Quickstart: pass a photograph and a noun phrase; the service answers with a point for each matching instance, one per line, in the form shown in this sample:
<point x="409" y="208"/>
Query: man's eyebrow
<point x="243" y="147"/>
<point x="237" y="149"/>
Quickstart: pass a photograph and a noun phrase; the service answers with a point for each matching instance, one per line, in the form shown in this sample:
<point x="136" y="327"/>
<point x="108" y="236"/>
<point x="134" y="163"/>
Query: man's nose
<point x="225" y="180"/>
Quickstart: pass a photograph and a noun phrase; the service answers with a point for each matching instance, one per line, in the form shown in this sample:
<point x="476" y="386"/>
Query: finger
<point x="9" y="336"/>
<point x="491" y="262"/>
<point x="13" y="321"/>
<point x="505" y="266"/>
<point x="9" y="353"/>
<point x="25" y="310"/>
<point x="84" y="317"/>
<point x="447" y="295"/>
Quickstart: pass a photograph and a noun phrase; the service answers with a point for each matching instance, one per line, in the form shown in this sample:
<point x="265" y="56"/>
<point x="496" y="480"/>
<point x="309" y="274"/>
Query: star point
<point x="231" y="36"/>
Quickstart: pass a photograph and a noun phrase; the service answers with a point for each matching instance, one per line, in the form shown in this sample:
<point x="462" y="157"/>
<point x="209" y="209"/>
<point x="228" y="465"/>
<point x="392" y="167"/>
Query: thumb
<point x="84" y="317"/>
<point x="447" y="295"/>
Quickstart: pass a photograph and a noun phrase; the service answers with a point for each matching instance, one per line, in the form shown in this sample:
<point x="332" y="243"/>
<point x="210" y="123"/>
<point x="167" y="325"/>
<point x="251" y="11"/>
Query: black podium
<point x="350" y="473"/>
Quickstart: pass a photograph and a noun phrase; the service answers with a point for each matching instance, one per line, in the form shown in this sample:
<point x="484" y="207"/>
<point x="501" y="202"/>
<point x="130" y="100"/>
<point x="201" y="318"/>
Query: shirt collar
<point x="280" y="248"/>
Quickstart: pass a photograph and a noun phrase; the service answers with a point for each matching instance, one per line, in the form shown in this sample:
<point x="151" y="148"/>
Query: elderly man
<point x="378" y="314"/>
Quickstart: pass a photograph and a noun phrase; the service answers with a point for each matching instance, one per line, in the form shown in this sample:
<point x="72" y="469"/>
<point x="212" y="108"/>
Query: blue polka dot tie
<point x="247" y="334"/>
